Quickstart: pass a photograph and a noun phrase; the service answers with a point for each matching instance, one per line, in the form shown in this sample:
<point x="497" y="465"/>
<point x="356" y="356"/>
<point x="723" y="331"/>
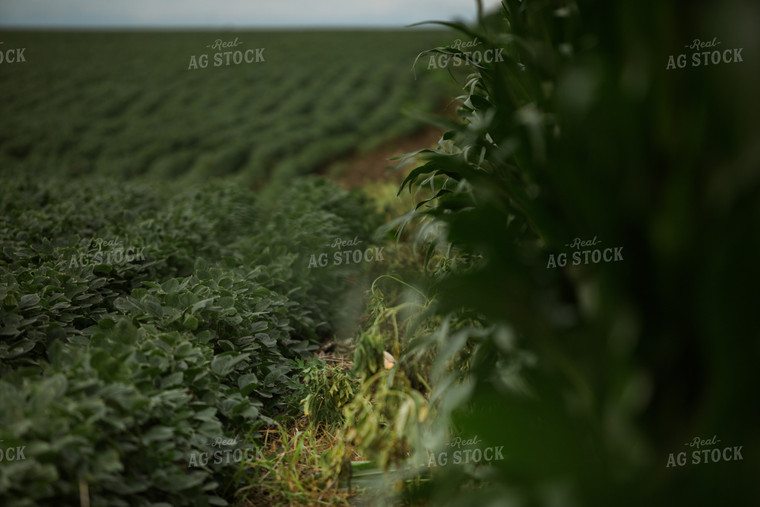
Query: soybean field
<point x="150" y="296"/>
<point x="197" y="105"/>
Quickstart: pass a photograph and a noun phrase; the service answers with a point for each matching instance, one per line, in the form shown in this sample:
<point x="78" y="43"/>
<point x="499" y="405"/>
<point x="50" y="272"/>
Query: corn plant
<point x="565" y="139"/>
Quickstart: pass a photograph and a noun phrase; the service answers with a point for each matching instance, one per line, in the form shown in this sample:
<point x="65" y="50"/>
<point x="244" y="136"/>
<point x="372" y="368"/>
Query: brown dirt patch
<point x="360" y="168"/>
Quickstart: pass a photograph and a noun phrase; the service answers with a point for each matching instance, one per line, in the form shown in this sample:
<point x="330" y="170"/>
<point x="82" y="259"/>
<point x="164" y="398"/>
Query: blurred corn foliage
<point x="590" y="375"/>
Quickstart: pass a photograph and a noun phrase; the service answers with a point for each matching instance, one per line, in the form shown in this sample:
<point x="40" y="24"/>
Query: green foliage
<point x="247" y="324"/>
<point x="591" y="374"/>
<point x="121" y="414"/>
<point x="115" y="373"/>
<point x="323" y="391"/>
<point x="386" y="417"/>
<point x="301" y="220"/>
<point x="292" y="470"/>
<point x="136" y="110"/>
<point x="368" y="354"/>
<point x="383" y="419"/>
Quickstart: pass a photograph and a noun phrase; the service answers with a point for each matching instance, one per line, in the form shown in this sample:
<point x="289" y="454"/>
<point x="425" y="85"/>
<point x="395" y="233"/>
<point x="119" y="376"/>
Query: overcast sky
<point x="232" y="13"/>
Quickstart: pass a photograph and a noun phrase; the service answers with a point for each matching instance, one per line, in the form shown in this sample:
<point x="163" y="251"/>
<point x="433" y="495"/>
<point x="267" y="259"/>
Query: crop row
<point x="140" y="325"/>
<point x="126" y="104"/>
